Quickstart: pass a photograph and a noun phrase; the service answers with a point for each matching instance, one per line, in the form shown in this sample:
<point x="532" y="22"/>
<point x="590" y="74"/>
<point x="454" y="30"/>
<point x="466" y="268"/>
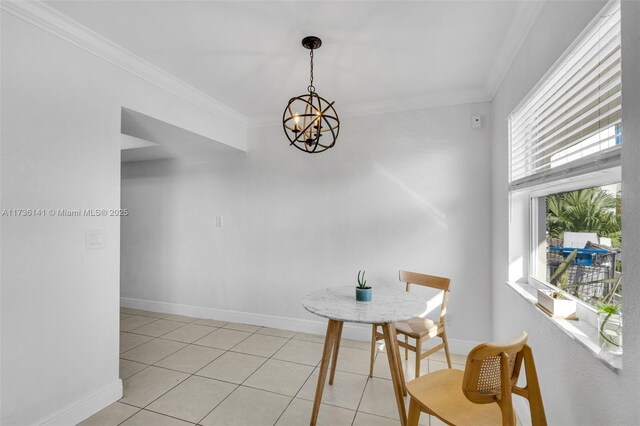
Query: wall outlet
<point x="219" y="221"/>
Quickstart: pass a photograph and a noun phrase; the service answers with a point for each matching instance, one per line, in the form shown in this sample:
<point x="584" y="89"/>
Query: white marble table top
<point x="387" y="305"/>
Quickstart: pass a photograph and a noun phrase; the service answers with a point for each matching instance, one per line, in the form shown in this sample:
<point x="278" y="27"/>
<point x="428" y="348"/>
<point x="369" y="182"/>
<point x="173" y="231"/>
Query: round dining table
<point x="339" y="305"/>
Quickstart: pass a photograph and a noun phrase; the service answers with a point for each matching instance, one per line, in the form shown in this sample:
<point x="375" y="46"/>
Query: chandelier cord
<point x="311" y="87"/>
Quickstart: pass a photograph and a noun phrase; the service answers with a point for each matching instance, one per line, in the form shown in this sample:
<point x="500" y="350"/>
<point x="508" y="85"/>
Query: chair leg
<point x="414" y="413"/>
<point x="406" y="348"/>
<point x="536" y="406"/>
<point x="418" y="356"/>
<point x="446" y="348"/>
<point x="373" y="349"/>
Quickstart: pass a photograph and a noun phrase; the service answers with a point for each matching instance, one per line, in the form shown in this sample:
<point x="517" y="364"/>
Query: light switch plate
<point x="95" y="239"/>
<point x="219" y="221"/>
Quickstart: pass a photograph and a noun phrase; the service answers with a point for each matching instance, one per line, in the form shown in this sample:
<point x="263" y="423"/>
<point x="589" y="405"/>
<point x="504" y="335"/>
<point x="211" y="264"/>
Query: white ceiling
<point x="248" y="56"/>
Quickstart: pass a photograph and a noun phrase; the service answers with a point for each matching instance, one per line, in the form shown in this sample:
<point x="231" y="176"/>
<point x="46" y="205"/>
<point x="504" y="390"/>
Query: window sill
<point x="580" y="331"/>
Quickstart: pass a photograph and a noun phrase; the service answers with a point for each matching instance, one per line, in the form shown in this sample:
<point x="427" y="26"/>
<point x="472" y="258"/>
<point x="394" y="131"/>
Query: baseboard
<point x="350" y="331"/>
<point x="80" y="410"/>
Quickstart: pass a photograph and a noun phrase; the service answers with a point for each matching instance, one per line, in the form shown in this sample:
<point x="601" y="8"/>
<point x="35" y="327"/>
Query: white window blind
<point x="571" y="122"/>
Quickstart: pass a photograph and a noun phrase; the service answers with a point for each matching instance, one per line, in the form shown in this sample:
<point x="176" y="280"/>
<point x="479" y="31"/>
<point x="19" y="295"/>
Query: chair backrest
<point x="491" y="375"/>
<point x="431" y="281"/>
<point x="438" y="283"/>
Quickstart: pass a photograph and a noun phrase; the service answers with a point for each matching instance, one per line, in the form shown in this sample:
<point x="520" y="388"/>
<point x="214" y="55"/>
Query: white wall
<point x="409" y="190"/>
<point x="61" y="150"/>
<point x="404" y="190"/>
<point x="577" y="388"/>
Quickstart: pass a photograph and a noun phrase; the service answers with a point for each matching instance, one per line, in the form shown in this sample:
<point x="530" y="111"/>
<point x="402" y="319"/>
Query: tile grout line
<point x="298" y="391"/>
<point x="355" y="412"/>
<point x="161" y="337"/>
<point x="225" y="351"/>
<point x="176" y="385"/>
<point x="169" y="415"/>
<point x="364" y="389"/>
<point x="193" y="374"/>
<point x="133" y="347"/>
<point x="153" y="365"/>
<point x="132" y="331"/>
<point x="145" y="364"/>
<point x="254" y="371"/>
<point x="314" y="367"/>
<point x="129" y="405"/>
<point x="155" y="338"/>
<point x="210" y="347"/>
<point x="184" y="324"/>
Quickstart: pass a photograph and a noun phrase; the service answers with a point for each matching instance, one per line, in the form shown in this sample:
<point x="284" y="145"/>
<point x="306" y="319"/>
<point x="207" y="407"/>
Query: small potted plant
<point x="363" y="292"/>
<point x="556" y="304"/>
<point x="610" y="323"/>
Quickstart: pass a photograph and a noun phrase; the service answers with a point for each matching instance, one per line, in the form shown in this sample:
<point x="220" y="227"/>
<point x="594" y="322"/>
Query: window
<point x="578" y="242"/>
<point x="565" y="140"/>
<point x="570" y="124"/>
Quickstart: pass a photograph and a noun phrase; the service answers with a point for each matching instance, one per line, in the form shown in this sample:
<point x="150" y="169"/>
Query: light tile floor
<point x="179" y="370"/>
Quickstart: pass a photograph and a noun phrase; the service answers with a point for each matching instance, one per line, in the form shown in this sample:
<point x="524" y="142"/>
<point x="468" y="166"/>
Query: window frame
<point x="609" y="176"/>
<point x="578" y="174"/>
<point x="524" y="216"/>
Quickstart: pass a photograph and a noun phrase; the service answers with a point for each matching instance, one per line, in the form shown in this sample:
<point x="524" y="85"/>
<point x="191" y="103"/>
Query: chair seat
<point x="440" y="393"/>
<point x="418" y="327"/>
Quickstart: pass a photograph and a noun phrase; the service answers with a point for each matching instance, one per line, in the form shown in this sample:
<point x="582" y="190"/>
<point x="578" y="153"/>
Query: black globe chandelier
<point x="310" y="121"/>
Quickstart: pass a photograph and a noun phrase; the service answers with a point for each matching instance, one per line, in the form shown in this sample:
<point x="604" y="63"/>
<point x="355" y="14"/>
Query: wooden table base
<point x="331" y="347"/>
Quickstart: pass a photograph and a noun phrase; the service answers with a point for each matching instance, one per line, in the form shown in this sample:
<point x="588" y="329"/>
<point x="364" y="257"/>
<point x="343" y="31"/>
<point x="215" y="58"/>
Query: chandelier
<point x="310" y="121"/>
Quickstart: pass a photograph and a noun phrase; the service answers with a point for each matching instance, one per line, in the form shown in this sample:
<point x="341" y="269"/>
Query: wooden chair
<point x="419" y="329"/>
<point x="481" y="394"/>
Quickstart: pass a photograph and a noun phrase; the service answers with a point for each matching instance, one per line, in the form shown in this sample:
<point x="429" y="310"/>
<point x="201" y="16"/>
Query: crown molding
<point x="39" y="14"/>
<point x="45" y="17"/>
<point x="430" y="100"/>
<point x="525" y="16"/>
